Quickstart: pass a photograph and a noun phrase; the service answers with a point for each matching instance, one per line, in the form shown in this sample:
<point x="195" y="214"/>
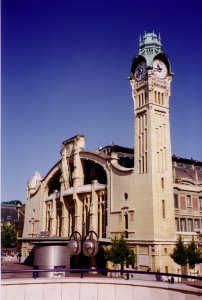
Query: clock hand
<point x="159" y="68"/>
<point x="139" y="72"/>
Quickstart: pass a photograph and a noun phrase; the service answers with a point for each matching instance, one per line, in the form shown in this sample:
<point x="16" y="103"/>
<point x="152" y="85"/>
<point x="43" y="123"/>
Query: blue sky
<point x="64" y="71"/>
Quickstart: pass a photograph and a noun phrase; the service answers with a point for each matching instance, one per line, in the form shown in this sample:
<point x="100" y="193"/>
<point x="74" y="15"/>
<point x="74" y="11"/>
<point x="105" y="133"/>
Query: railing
<point x="125" y="274"/>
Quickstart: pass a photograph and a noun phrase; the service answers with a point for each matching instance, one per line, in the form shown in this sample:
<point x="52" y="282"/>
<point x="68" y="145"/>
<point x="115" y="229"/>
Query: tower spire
<point x="149" y="46"/>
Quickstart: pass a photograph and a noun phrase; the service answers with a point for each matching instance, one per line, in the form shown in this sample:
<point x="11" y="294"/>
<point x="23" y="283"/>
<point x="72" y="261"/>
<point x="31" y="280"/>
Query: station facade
<point x="145" y="192"/>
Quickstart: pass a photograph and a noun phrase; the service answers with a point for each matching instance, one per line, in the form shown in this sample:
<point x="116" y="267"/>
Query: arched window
<point x="159" y="96"/>
<point x="142" y="98"/>
<point x="125" y="196"/>
<point x="155" y="96"/>
<point x="139" y="98"/>
<point x="162" y="98"/>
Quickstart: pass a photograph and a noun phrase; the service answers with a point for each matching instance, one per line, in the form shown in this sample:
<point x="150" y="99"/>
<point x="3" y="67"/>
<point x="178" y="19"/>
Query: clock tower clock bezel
<point x="160" y="69"/>
<point x="140" y="71"/>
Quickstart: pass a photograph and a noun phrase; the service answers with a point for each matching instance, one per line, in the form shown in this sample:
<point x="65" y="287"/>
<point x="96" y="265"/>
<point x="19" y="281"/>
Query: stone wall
<point x="95" y="288"/>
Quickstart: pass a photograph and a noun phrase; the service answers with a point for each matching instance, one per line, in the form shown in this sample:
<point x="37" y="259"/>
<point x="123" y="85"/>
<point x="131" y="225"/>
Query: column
<point x="94" y="208"/>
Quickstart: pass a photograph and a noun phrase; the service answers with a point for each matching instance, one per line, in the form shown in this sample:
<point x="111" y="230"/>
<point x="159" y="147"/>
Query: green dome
<point x="149" y="46"/>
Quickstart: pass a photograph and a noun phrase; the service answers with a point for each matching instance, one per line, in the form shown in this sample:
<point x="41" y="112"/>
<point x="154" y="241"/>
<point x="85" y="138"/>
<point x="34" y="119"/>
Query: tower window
<point x="143" y="142"/>
<point x="125" y="196"/>
<point x="139" y="166"/>
<point x="145" y="120"/>
<point x="145" y="95"/>
<point x="143" y="169"/>
<point x="146" y="162"/>
<point x="155" y="96"/>
<point x="162" y="98"/>
<point x="139" y="140"/>
<point x="163" y="209"/>
<point x="159" y="100"/>
<point x="162" y="183"/>
<point x="139" y="98"/>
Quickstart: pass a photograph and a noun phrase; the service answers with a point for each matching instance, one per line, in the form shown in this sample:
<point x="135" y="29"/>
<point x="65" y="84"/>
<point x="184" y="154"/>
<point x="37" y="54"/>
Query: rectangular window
<point x="189" y="225"/>
<point x="200" y="203"/>
<point x="189" y="201"/>
<point x="183" y="225"/>
<point x="182" y="202"/>
<point x="196" y="224"/>
<point x="176" y="201"/>
<point x="195" y="203"/>
<point x="177" y="225"/>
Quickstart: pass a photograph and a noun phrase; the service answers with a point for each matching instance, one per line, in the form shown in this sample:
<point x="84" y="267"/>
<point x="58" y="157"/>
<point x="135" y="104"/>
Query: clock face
<point x="140" y="71"/>
<point x="160" y="69"/>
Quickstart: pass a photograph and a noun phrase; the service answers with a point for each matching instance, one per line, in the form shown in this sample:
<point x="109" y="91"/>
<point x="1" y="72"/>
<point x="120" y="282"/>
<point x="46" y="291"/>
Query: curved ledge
<point x="94" y="288"/>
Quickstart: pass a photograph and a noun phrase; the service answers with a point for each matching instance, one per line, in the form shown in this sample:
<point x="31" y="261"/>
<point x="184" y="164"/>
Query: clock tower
<point x="150" y="80"/>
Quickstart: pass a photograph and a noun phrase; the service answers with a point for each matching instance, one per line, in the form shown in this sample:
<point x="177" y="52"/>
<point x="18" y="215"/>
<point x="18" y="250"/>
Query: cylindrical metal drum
<point x="51" y="257"/>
